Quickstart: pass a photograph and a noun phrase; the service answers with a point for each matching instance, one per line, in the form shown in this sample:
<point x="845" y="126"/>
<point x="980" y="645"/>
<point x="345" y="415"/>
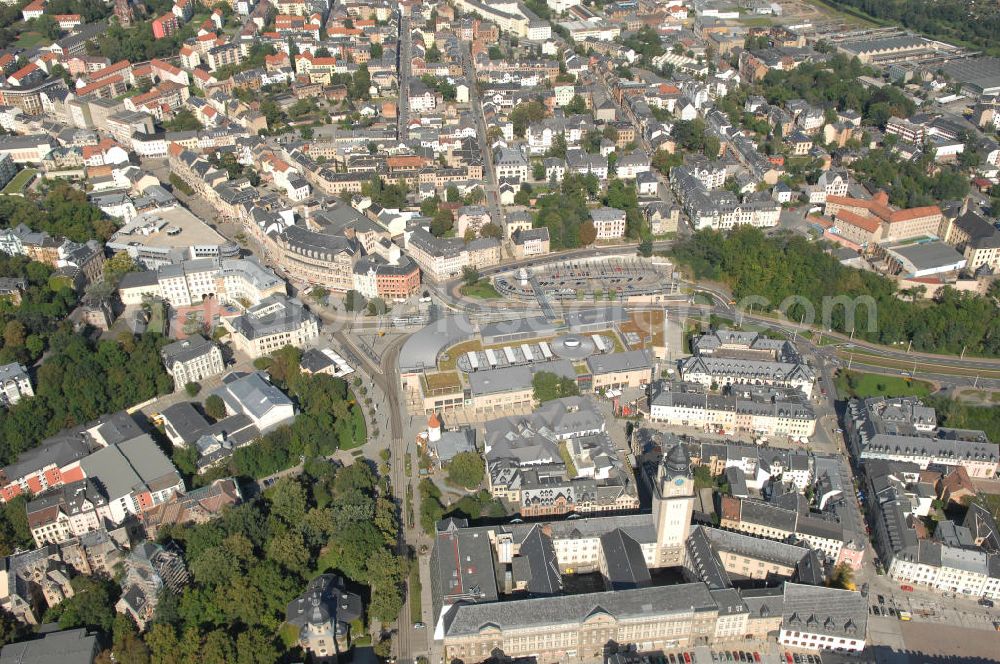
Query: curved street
<point x="413" y="641"/>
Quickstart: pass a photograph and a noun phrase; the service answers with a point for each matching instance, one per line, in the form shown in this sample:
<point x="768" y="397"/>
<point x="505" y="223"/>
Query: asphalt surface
<point x="404" y="68"/>
<point x="492" y="191"/>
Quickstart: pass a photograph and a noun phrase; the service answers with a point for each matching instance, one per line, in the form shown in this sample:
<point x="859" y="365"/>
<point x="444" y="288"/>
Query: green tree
<point x="288" y="501"/>
<point x="842" y="577"/>
<point x="524" y="114"/>
<point x="360" y="84"/>
<point x="385" y="574"/>
<point x="538" y="171"/>
<point x="11" y="629"/>
<point x="91" y="606"/>
<point x="183" y="120"/>
<point x="14" y="333"/>
<point x="255" y="646"/>
<point x="127" y="647"/>
<point x="442" y="222"/>
<point x="192" y="389"/>
<point x="431" y="509"/>
<point x="470" y="276"/>
<point x="558" y="149"/>
<point x="117" y="266"/>
<point x="646" y="246"/>
<point x="548" y="386"/>
<point x="491" y="230"/>
<point x="215" y="407"/>
<point x="466" y="469"/>
<point x="47" y="26"/>
<point x="429" y="207"/>
<point x="164" y="647"/>
<point x="949" y="323"/>
<point x="354" y="301"/>
<point x="576" y="106"/>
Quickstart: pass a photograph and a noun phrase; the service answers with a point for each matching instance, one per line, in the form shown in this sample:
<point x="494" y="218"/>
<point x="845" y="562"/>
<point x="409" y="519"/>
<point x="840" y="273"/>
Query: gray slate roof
<point x="73" y="646"/>
<point x="571" y="610"/>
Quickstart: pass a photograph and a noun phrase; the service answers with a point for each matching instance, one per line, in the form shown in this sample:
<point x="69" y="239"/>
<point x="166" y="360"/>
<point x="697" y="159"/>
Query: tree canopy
<point x="966" y="21"/>
<point x="62" y="212"/>
<point x="911" y="183"/>
<point x="524" y="114"/>
<point x="786" y="266"/>
<point x="329" y="420"/>
<point x="548" y="386"/>
<point x="248" y="564"/>
<point x="466" y="469"/>
<point x="80" y="381"/>
<point x="45" y="302"/>
<point x="564" y="211"/>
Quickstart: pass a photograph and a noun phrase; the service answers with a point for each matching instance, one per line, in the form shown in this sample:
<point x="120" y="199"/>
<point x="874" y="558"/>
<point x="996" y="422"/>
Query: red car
<point x="906" y="589"/>
<point x="687" y="658"/>
<point x="788" y="656"/>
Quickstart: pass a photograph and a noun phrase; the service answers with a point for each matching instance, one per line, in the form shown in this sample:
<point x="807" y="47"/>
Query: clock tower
<point x="673" y="505"/>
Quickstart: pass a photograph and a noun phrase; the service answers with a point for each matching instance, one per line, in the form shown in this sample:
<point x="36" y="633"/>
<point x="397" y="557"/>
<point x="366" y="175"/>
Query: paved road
<point x="409" y="641"/>
<point x="928" y="606"/>
<point x="412" y="642"/>
<point x="492" y="195"/>
<point x="928" y="366"/>
<point x="404" y="67"/>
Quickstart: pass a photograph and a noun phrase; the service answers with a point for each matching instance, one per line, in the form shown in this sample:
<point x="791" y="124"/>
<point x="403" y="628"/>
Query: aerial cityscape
<point x="499" y="331"/>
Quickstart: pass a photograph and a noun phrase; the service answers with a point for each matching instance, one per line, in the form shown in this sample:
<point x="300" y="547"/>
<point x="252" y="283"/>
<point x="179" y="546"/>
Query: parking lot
<point x="947" y="642"/>
<point x="887" y="600"/>
<point x="586" y="279"/>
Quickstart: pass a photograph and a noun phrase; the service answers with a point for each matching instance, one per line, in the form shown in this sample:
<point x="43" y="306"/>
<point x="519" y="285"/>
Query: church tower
<point x="673" y="505"/>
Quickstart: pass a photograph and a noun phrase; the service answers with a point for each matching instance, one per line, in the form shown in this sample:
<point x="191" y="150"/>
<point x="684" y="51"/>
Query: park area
<point x="481" y="289"/>
<point x="858" y="385"/>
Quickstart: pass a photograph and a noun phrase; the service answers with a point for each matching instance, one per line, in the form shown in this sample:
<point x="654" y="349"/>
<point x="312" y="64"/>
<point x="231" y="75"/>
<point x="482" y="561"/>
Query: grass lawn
<point x="864" y="385"/>
<point x="416" y="609"/>
<point x="29" y="40"/>
<point x="364" y="438"/>
<point x="827" y="340"/>
<point x="443" y="381"/>
<point x="157" y="317"/>
<point x="567" y="459"/>
<point x="20" y="181"/>
<point x="457" y="351"/>
<point x="482" y="289"/>
<point x="756" y="21"/>
<point x="847" y="13"/>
